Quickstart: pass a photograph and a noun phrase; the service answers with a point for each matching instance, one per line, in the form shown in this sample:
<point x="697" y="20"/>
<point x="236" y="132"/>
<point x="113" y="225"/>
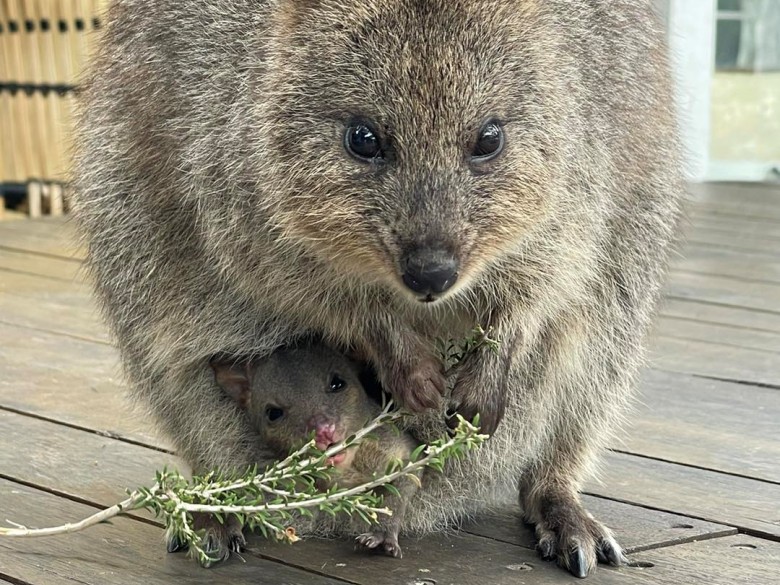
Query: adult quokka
<point x="383" y="174"/>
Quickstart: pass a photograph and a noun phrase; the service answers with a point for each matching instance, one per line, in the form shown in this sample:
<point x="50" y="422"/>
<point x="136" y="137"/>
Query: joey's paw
<point x="380" y="541"/>
<point x="471" y="396"/>
<point x="421" y="387"/>
<point x="174" y="544"/>
<point x="218" y="540"/>
<point x="577" y="542"/>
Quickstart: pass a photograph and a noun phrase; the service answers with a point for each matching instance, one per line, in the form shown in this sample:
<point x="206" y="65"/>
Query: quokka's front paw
<point x="218" y="541"/>
<point x="476" y="394"/>
<point x="380" y="541"/>
<point x="419" y="386"/>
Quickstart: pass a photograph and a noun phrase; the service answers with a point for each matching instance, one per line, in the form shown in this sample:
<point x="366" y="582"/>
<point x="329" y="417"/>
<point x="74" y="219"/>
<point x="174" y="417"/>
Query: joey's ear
<point x="233" y="378"/>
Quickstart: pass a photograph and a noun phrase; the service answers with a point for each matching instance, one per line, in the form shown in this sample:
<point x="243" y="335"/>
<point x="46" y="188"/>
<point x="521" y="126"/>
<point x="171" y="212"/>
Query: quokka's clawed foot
<point x="381" y="542"/>
<point x="218" y="540"/>
<point x="569" y="535"/>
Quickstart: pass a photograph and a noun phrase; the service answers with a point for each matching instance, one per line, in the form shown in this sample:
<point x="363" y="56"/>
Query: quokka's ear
<point x="233" y="378"/>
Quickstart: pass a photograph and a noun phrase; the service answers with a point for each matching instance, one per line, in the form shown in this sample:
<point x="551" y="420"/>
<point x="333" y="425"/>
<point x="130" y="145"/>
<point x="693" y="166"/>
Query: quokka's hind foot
<point x="568" y="534"/>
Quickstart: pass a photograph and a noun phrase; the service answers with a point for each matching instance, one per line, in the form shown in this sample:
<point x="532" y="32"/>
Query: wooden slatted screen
<point x="44" y="46"/>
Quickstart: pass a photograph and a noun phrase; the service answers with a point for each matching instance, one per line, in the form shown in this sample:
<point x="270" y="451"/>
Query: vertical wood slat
<point x="44" y="44"/>
<point x="15" y="65"/>
<point x="7" y="152"/>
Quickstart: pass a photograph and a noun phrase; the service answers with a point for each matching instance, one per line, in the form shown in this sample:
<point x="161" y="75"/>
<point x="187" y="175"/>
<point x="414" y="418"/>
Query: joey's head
<point x="409" y="143"/>
<point x="296" y="392"/>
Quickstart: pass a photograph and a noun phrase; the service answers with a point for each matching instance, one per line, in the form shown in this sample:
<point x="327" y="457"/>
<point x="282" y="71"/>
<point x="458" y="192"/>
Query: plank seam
<point x="693" y="299"/>
<point x="74" y="498"/>
<point x="716" y="324"/>
<point x="36" y="275"/>
<point x="735" y="381"/>
<point x="13" y="580"/>
<point x="693" y="466"/>
<point x="738" y="528"/>
<point x="57" y="333"/>
<point x="719" y="343"/>
<point x="739" y="279"/>
<point x="99" y="432"/>
<point x="43" y="254"/>
<point x="727" y="531"/>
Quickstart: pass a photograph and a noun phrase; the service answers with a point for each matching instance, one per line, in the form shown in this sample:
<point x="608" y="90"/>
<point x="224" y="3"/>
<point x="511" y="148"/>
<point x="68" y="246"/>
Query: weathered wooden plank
<point x="38" y="244"/>
<point x="54" y="316"/>
<point x="722" y="561"/>
<point x="750" y="241"/>
<point x="97" y="469"/>
<point x="731" y="263"/>
<point x="705" y="220"/>
<point x="748" y="294"/>
<point x="76" y="463"/>
<point x="640" y="529"/>
<point x="73" y="381"/>
<point x="736" y="200"/>
<point x="716" y="360"/>
<point x="682" y="328"/>
<point x="749" y="212"/>
<point x="716" y="313"/>
<point x="748" y="504"/>
<point x="124" y="552"/>
<point x="464" y="559"/>
<point x="53" y="305"/>
<point x="52" y="233"/>
<point x="48" y="266"/>
<point x="707" y="423"/>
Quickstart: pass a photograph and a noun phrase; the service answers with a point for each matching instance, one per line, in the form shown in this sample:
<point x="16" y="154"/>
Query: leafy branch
<point x="267" y="501"/>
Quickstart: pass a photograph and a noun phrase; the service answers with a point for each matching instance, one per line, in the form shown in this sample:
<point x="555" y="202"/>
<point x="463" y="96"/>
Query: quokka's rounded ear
<point x="233" y="377"/>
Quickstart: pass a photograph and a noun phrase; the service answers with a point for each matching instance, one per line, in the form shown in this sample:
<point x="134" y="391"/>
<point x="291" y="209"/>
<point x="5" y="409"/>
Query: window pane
<point x="730" y="5"/>
<point x="729" y="35"/>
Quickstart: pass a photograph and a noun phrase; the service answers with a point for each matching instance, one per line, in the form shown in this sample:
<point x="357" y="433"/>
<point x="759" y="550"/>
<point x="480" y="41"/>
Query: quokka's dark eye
<point x="490" y="143"/>
<point x="362" y="142"/>
<point x="274" y="413"/>
<point x="337" y="383"/>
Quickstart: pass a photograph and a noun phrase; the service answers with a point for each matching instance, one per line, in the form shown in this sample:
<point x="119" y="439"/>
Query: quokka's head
<point x="408" y="142"/>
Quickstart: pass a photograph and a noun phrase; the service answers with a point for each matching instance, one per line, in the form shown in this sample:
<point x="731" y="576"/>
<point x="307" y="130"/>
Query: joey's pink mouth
<point x="337" y="459"/>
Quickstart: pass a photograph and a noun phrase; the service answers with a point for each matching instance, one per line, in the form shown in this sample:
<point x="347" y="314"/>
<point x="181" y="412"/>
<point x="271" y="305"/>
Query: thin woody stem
<point x="131" y="503"/>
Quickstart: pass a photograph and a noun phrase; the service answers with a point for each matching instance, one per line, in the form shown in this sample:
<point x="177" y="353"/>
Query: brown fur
<point x="223" y="215"/>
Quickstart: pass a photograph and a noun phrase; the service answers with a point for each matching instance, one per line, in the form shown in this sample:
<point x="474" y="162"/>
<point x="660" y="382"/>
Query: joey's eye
<point x="490" y="143"/>
<point x="337" y="384"/>
<point x="274" y="413"/>
<point x="363" y="143"/>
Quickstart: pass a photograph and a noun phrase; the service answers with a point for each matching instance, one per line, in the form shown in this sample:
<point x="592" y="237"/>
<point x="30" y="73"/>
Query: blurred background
<point x="726" y="61"/>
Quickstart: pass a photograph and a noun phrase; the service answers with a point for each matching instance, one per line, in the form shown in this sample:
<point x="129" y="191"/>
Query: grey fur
<point x="223" y="216"/>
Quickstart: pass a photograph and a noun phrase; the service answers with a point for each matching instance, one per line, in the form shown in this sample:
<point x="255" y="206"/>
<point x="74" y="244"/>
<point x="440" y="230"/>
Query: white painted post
<point x="692" y="26"/>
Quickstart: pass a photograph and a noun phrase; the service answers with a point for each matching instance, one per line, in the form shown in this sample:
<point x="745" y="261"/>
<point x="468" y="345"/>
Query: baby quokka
<point x="299" y="391"/>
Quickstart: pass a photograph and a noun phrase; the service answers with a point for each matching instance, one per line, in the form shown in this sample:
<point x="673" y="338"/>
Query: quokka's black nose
<point x="430" y="272"/>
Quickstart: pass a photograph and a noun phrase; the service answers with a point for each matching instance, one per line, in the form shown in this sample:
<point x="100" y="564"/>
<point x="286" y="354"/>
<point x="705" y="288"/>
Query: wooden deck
<point x="693" y="491"/>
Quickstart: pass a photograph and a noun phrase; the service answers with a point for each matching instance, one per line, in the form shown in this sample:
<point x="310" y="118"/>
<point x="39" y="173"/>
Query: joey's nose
<point x="430" y="271"/>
